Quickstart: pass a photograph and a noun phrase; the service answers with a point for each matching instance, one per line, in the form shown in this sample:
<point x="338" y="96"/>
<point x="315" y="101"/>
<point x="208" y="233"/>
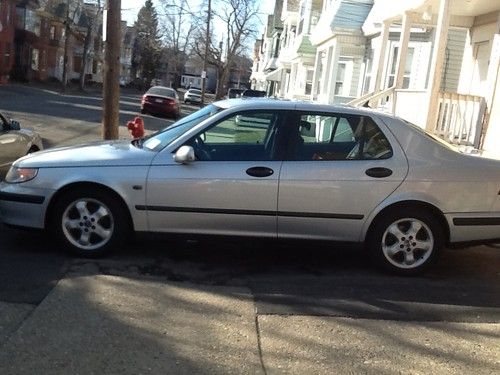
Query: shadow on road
<point x="310" y="279"/>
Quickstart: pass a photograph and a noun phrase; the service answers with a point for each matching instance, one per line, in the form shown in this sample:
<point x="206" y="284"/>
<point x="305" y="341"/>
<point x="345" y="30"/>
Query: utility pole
<point x="205" y="58"/>
<point x="111" y="86"/>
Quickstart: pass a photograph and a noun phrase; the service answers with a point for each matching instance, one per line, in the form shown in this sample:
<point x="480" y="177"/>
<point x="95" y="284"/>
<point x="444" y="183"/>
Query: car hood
<point x="98" y="154"/>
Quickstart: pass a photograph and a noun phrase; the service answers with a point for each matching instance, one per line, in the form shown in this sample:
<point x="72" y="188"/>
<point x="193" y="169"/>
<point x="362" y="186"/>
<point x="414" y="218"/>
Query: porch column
<point x="380" y="56"/>
<point x="331" y="75"/>
<point x="403" y="50"/>
<point x="437" y="60"/>
<point x="316" y="76"/>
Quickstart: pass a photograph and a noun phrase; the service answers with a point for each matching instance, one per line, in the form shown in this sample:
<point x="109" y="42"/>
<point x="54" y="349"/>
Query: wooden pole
<point x="111" y="85"/>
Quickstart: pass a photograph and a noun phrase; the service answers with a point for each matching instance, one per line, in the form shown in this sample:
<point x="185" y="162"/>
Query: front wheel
<point x="89" y="224"/>
<point x="406" y="242"/>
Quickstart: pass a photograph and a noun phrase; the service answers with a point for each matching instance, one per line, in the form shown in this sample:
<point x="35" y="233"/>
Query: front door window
<point x="244" y="136"/>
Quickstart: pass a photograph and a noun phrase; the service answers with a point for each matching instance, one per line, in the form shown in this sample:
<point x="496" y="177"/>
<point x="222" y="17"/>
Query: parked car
<point x="234" y="93"/>
<point x="15" y="142"/>
<point x="253" y="94"/>
<point x="159" y="100"/>
<point x="192" y="96"/>
<point x="315" y="172"/>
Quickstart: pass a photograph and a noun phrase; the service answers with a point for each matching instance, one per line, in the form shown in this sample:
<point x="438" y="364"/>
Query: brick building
<point x="7" y="22"/>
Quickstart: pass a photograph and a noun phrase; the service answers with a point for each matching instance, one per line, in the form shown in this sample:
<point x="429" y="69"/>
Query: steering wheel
<point x="200" y="150"/>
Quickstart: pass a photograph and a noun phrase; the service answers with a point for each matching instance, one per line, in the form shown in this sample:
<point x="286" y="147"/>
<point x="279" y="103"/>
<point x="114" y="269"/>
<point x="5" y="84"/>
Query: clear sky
<point x="130" y="8"/>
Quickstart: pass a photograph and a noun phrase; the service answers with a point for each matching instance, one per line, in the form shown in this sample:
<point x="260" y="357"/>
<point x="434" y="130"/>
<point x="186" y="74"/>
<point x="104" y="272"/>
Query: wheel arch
<point x="412" y="204"/>
<point x="86" y="185"/>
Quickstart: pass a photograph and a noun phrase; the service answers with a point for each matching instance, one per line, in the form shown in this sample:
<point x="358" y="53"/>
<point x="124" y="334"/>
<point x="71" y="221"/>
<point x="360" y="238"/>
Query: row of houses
<point x="34" y="35"/>
<point x="434" y="63"/>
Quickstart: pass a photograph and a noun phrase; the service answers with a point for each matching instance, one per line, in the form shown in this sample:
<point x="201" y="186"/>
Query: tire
<point x="32" y="150"/>
<point x="405" y="241"/>
<point x="89" y="223"/>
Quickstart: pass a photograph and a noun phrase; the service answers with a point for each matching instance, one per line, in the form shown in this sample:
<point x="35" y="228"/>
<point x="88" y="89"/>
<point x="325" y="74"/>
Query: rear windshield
<point x="192" y="91"/>
<point x="161" y="91"/>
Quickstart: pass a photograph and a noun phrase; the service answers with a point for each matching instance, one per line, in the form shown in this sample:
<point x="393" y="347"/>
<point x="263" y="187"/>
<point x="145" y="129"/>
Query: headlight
<point x="17" y="175"/>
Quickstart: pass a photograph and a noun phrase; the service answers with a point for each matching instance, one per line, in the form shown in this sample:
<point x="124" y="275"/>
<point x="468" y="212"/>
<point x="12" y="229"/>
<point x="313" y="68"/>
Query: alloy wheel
<point x="87" y="224"/>
<point x="407" y="243"/>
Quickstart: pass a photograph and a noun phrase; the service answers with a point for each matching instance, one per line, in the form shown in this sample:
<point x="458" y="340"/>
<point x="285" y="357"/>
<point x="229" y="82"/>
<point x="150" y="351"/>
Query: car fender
<point x="395" y="198"/>
<point x="132" y="192"/>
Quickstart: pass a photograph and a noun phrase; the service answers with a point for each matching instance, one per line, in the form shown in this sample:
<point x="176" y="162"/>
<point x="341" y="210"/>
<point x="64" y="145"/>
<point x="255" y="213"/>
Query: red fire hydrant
<point x="136" y="128"/>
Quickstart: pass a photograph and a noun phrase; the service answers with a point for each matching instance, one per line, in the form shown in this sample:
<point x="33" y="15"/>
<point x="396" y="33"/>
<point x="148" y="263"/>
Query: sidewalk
<point x="117" y="325"/>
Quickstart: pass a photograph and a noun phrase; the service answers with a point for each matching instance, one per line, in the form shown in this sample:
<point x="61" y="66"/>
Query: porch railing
<point x="460" y="118"/>
<point x="377" y="100"/>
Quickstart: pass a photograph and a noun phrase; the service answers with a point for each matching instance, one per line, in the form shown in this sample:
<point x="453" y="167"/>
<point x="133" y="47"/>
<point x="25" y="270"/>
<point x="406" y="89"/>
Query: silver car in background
<point x="15" y="142"/>
<point x="301" y="171"/>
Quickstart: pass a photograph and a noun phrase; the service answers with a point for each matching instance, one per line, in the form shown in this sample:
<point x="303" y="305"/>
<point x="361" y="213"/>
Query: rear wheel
<point x="32" y="150"/>
<point x="90" y="224"/>
<point x="406" y="241"/>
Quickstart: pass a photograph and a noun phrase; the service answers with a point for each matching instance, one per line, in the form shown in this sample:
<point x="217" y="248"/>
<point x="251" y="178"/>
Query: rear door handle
<point x="259" y="171"/>
<point x="378" y="172"/>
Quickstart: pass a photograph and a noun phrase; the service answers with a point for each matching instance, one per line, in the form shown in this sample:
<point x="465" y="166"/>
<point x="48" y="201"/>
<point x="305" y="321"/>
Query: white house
<point x="442" y="70"/>
<point x="341" y="49"/>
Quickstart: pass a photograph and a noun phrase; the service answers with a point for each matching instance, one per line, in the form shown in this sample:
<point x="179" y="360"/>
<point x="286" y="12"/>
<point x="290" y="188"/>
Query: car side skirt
<point x="474" y="227"/>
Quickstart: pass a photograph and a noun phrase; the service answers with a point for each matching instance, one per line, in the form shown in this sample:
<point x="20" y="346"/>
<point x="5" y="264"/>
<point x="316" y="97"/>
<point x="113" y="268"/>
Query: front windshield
<point x="159" y="140"/>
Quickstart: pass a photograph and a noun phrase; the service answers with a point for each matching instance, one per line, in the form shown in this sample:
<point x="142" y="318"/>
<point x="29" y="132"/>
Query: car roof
<point x="268" y="103"/>
<point x="161" y="87"/>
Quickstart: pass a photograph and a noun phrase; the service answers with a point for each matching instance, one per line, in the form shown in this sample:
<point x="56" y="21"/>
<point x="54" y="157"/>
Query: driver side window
<point x="244" y="136"/>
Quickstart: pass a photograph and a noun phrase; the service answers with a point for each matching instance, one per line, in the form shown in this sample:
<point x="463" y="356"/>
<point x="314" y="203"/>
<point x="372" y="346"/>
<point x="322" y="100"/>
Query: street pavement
<point x="185" y="306"/>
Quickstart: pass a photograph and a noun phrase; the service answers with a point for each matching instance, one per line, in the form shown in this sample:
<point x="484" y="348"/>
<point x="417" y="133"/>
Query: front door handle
<point x="378" y="172"/>
<point x="259" y="171"/>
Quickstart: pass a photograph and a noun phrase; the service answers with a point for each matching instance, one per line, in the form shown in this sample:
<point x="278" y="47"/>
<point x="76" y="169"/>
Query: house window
<point x="7" y="17"/>
<point x="368" y="72"/>
<point x="394" y="63"/>
<point x="32" y="22"/>
<point x="35" y="59"/>
<point x="339" y="80"/>
<point x="309" y="81"/>
<point x="7" y="54"/>
<point x="77" y="64"/>
<point x="301" y="18"/>
<point x="52" y="32"/>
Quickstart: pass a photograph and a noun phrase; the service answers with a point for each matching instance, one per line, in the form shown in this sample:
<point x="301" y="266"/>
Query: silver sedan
<point x="289" y="171"/>
<point x="15" y="142"/>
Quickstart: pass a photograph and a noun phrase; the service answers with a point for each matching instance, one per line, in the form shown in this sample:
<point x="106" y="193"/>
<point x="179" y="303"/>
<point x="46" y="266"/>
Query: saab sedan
<point x="288" y="171"/>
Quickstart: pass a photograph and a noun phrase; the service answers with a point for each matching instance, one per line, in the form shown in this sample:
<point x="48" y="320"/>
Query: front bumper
<point x="24" y="206"/>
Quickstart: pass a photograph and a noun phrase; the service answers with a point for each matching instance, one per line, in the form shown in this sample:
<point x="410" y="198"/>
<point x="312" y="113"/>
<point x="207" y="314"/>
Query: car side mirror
<point x="184" y="155"/>
<point x="14" y="125"/>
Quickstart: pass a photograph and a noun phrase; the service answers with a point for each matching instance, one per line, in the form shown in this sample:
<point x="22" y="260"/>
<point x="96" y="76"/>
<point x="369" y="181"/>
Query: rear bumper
<point x="160" y="108"/>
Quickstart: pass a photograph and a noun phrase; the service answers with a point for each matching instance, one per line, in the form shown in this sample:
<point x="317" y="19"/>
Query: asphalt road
<point x="285" y="279"/>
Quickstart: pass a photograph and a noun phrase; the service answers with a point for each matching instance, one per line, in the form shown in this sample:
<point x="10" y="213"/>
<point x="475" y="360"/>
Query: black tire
<point x="32" y="150"/>
<point x="406" y="247"/>
<point x="115" y="222"/>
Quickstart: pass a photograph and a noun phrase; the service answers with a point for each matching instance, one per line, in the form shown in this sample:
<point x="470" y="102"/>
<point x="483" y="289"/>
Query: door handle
<point x="378" y="172"/>
<point x="259" y="171"/>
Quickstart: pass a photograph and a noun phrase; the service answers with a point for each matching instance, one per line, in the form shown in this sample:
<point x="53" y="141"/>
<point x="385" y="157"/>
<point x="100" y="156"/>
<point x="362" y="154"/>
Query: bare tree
<point x="92" y="12"/>
<point x="239" y="18"/>
<point x="178" y="23"/>
<point x="73" y="10"/>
